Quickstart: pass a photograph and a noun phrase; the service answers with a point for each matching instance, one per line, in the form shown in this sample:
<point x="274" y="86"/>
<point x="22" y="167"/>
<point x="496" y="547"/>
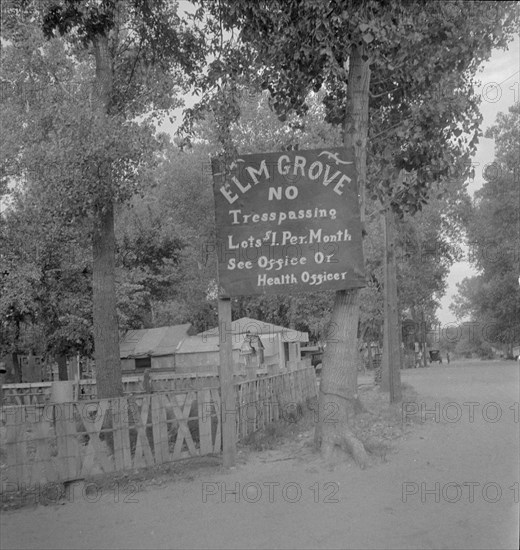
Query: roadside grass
<point x="378" y="426"/>
<point x="382" y="423"/>
<point x="294" y="423"/>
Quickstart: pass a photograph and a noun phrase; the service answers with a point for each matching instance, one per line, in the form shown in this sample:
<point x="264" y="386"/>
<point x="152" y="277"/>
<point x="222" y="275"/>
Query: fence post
<point x="147" y="385"/>
<point x="227" y="391"/>
<point x="3" y="370"/>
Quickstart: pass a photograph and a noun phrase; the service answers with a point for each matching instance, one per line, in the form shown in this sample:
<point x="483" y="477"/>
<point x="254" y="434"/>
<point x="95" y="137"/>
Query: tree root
<point x="354" y="446"/>
<point x="347" y="441"/>
<point x="334" y="430"/>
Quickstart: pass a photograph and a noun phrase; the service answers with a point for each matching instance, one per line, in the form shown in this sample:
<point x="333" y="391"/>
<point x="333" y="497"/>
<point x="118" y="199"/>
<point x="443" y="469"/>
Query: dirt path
<point x="294" y="500"/>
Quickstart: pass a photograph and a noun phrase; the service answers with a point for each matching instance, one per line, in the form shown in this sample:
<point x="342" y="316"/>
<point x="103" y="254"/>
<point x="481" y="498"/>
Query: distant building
<point x="255" y="344"/>
<point x="24" y="368"/>
<point x="273" y="347"/>
<point x="151" y="348"/>
<point x="516" y="352"/>
<point x="196" y="354"/>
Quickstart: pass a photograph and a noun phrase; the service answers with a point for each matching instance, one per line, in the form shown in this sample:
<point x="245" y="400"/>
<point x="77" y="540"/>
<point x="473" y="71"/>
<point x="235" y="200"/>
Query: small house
<point x="254" y="343"/>
<point x="151" y="348"/>
<point x="200" y="355"/>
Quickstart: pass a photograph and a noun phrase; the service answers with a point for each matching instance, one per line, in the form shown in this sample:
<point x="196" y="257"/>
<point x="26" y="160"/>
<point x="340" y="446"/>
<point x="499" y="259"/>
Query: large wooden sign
<point x="288" y="222"/>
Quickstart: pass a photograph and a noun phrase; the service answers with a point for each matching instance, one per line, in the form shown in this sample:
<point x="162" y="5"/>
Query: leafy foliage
<point x="103" y="72"/>
<point x="423" y="110"/>
<point x="493" y="297"/>
<point x="46" y="283"/>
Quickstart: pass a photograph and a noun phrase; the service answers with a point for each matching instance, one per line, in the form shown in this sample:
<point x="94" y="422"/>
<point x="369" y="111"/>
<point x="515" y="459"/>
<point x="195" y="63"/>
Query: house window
<point x="143" y="363"/>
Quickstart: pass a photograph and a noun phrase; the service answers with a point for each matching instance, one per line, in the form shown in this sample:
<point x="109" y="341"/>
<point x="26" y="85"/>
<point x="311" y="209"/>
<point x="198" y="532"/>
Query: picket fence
<point x="40" y="392"/>
<point x="57" y="442"/>
<point x="268" y="399"/>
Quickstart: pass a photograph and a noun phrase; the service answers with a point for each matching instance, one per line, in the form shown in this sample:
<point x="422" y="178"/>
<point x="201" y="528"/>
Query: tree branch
<point x="372" y="139"/>
<point x="375" y="96"/>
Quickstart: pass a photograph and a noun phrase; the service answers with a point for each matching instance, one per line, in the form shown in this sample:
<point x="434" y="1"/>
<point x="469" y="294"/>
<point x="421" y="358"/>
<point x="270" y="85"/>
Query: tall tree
<point x="46" y="283"/>
<point x="398" y="54"/>
<point x="492" y="298"/>
<point x="133" y="55"/>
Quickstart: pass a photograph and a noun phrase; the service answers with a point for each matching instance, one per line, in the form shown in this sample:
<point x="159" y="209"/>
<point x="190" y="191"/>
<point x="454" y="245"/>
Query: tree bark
<point x="106" y="328"/>
<point x="63" y="373"/>
<point x="423" y="340"/>
<point x="32" y="371"/>
<point x="338" y="400"/>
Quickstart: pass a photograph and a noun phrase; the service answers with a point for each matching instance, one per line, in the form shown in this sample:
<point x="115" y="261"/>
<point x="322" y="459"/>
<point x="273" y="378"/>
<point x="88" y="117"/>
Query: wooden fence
<point x="27" y="393"/>
<point x="271" y="398"/>
<point x="40" y="392"/>
<point x="66" y="441"/>
<point x="56" y="442"/>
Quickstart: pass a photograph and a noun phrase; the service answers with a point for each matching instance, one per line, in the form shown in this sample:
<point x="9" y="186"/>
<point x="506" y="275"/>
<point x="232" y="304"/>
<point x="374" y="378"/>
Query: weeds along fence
<point x="57" y="442"/>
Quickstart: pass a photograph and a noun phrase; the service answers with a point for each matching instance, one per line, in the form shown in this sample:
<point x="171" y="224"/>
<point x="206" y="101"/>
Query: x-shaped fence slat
<point x="143" y="454"/>
<point x="182" y="417"/>
<point x="95" y="447"/>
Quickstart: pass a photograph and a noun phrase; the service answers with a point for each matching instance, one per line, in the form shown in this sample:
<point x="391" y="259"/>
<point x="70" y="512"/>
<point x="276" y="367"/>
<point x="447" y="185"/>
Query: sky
<point x="500" y="88"/>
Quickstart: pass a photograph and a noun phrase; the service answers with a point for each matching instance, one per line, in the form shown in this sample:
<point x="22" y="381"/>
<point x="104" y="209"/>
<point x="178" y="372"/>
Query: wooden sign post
<point x="391" y="377"/>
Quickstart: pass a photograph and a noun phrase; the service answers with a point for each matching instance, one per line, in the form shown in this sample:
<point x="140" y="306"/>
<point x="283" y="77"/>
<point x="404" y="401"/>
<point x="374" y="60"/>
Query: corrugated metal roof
<point x="152" y="341"/>
<point x="254" y="326"/>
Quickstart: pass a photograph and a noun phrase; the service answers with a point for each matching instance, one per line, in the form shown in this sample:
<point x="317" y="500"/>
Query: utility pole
<point x="425" y="361"/>
<point x="391" y="376"/>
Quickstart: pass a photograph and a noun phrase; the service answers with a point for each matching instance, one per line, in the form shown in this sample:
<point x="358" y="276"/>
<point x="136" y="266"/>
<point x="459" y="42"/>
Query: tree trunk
<point x="17" y="369"/>
<point x="338" y="400"/>
<point x="391" y="376"/>
<point x="63" y="373"/>
<point x="106" y="328"/>
<point x="423" y="330"/>
<point x="32" y="373"/>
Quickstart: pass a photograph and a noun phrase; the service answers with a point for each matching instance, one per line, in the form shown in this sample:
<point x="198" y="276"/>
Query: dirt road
<point x="452" y="484"/>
